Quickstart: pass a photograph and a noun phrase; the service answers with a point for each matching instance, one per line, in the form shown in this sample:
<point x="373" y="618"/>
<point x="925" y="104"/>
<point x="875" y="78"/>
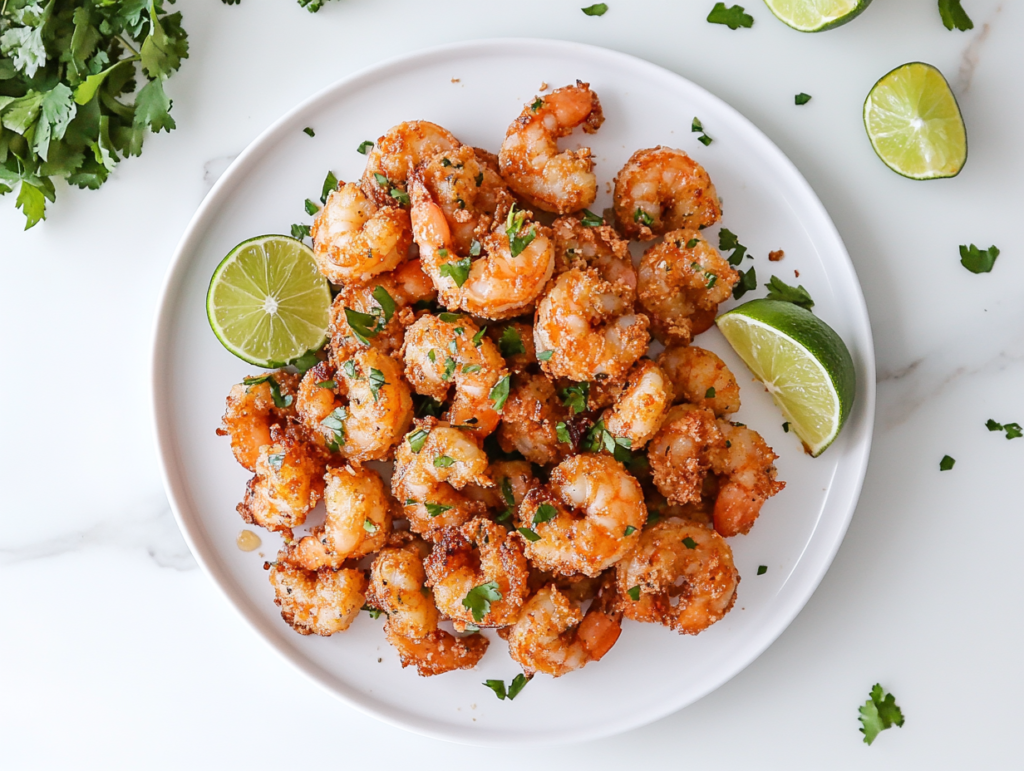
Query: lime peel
<point x="816" y="15"/>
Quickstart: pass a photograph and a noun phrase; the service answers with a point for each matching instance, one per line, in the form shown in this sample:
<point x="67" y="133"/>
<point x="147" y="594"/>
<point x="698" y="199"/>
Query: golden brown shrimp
<point x="252" y="410"/>
<point x="699" y="377"/>
<point x="321" y="602"/>
<point x="438" y="652"/>
<point x="589" y="328"/>
<point x="662" y="189"/>
<point x="358" y="522"/>
<point x="288" y="483"/>
<point x="554" y="181"/>
<point x="360" y="410"/>
<point x="553" y="636"/>
<point x="530" y="420"/>
<point x="639" y="412"/>
<point x="586" y="517"/>
<point x="478" y="574"/>
<point x="682" y="281"/>
<point x="396" y="154"/>
<point x="355" y="239"/>
<point x="516" y="259"/>
<point x="746" y="468"/>
<point x="513" y="479"/>
<point x="384" y="307"/>
<point x="397" y="586"/>
<point x="432" y="464"/>
<point x="444" y="354"/>
<point x="681" y="574"/>
<point x="515" y="343"/>
<point x="581" y="246"/>
<point x="680" y="453"/>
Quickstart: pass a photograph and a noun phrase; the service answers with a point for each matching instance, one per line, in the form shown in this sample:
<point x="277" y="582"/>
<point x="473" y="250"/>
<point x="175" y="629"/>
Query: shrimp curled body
<point x="323" y="602"/>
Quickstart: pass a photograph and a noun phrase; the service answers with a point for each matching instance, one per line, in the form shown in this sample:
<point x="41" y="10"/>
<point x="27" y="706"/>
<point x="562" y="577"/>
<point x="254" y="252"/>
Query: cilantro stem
<point x="4" y="9"/>
<point x="123" y="42"/>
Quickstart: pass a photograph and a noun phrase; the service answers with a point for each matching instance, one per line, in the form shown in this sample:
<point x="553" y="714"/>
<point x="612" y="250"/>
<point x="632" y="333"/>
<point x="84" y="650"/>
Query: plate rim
<point x="171" y="287"/>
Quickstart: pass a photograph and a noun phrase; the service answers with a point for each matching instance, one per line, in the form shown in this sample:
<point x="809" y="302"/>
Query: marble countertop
<point x="118" y="652"/>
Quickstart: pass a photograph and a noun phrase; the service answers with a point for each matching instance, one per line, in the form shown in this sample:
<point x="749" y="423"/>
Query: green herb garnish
<point x="954" y="16"/>
<point x="417" y="438"/>
<point x="978" y="260"/>
<point x="733" y="17"/>
<point x="879" y="713"/>
<point x="510" y="343"/>
<point x="597" y="9"/>
<point x="457" y="270"/>
<point x="435" y="509"/>
<point x="330" y="183"/>
<point x="946" y="463"/>
<point x="575" y="397"/>
<point x="591" y="220"/>
<point x="499" y="394"/>
<point x="478" y="599"/>
<point x="748" y="281"/>
<point x="307" y="131"/>
<point x="528" y="534"/>
<point x="364" y="147"/>
<point x="634" y="593"/>
<point x="780" y="290"/>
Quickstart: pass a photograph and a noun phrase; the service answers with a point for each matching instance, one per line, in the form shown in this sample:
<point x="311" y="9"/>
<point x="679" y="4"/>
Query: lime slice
<point x="267" y="302"/>
<point x="802" y="362"/>
<point x="914" y="123"/>
<point x="816" y="15"/>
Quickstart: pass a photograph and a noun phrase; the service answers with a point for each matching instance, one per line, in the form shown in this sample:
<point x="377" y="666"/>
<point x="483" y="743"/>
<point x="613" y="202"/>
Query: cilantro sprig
<point x="733" y="17"/>
<point x="954" y="16"/>
<point x="780" y="290"/>
<point x="978" y="260"/>
<point x="81" y="86"/>
<point x="878" y="714"/>
<point x="478" y="599"/>
<point x="1013" y="430"/>
<point x="498" y="686"/>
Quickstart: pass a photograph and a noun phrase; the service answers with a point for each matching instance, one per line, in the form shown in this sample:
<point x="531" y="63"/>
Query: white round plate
<point x="475" y="90"/>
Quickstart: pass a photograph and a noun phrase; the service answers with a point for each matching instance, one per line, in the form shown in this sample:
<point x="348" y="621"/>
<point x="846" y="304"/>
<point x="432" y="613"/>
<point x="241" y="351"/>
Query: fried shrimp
<point x="581" y="246"/>
<point x="745" y="465"/>
<point x="680" y="453"/>
<point x="554" y="181"/>
<point x="288" y="483"/>
<point x="444" y="354"/>
<point x="639" y="412"/>
<point x="699" y="377"/>
<point x="358" y="522"/>
<point x="252" y="411"/>
<point x="589" y="327"/>
<point x="478" y="573"/>
<point x="515" y="343"/>
<point x="382" y="308"/>
<point x="396" y="154"/>
<point x="553" y="636"/>
<point x="681" y="283"/>
<point x="360" y="410"/>
<point x="321" y="602"/>
<point x="432" y="464"/>
<point x="582" y="515"/>
<point x="438" y="652"/>
<point x="662" y="189"/>
<point x="680" y="574"/>
<point x="530" y="420"/>
<point x="354" y="238"/>
<point x="513" y="479"/>
<point x="516" y="259"/>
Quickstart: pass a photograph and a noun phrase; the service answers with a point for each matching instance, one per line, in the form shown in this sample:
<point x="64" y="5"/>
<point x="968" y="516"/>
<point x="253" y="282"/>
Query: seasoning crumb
<point x="796" y="273"/>
<point x="777" y="255"/>
<point x="544" y="85"/>
<point x="456" y="80"/>
<point x="380" y="661"/>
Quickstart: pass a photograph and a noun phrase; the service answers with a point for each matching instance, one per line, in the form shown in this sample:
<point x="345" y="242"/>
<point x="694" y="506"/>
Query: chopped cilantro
<point x="280" y="400"/>
<point x="478" y="599"/>
<point x="310" y="207"/>
<point x="727" y="241"/>
<point x="376" y="382"/>
<point x="762" y="569"/>
<point x="692" y="243"/>
<point x="785" y="426"/>
<point x="306" y="361"/>
<point x="374" y="612"/>
<point x="443" y="461"/>
<point x="363" y="325"/>
<point x="330" y="183"/>
<point x="369" y="526"/>
<point x="309" y="132"/>
<point x="733" y="17"/>
<point x="364" y="147"/>
<point x="689" y="543"/>
<point x="349" y="368"/>
<point x="518" y="683"/>
<point x="946" y="463"/>
<point x="327" y="384"/>
<point x="528" y="534"/>
<point x="878" y="714"/>
<point x="335" y="423"/>
<point x="479" y="337"/>
<point x="449" y="318"/>
<point x="710" y="393"/>
<point x="1013" y="430"/>
<point x="470" y="369"/>
<point x="510" y="343"/>
<point x="802" y="98"/>
<point x="538" y="103"/>
<point x="780" y="290"/>
<point x="629" y="530"/>
<point x="575" y="397"/>
<point x="435" y="509"/>
<point x="456" y="270"/>
<point x="499" y="394"/>
<point x="545" y="513"/>
<point x="697" y="127"/>
<point x="597" y="9"/>
<point x="545" y="355"/>
<point x="634" y="593"/>
<point x="387" y="304"/>
<point x="954" y="16"/>
<point x="591" y="220"/>
<point x="449" y="368"/>
<point x="562" y="432"/>
<point x="509" y="498"/>
<point x="498" y="686"/>
<point x="381" y="179"/>
<point x="417" y="438"/>
<point x="400" y="195"/>
<point x="300" y="231"/>
<point x="474" y="248"/>
<point x="978" y="260"/>
<point x="643" y="217"/>
<point x="748" y="281"/>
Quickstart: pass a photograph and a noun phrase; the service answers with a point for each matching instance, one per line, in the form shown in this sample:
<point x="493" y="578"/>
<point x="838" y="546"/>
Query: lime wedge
<point x="914" y="123"/>
<point x="802" y="362"/>
<point x="267" y="302"/>
<point x="816" y="15"/>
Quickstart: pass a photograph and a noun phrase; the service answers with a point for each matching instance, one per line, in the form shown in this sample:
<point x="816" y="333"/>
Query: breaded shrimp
<point x="450" y="351"/>
<point x="252" y="410"/>
<point x="513" y="479"/>
<point x="323" y="602"/>
<point x="639" y="412"/>
<point x="432" y="464"/>
<point x="680" y="453"/>
<point x="589" y="328"/>
<point x="515" y="343"/>
<point x="745" y="465"/>
<point x="554" y="181"/>
<point x="699" y="377"/>
<point x="479" y="558"/>
<point x="585" y="518"/>
<point x="662" y="189"/>
<point x="383" y="308"/>
<point x="355" y="239"/>
<point x="358" y="522"/>
<point x="581" y="246"/>
<point x="682" y="281"/>
<point x="530" y="420"/>
<point x="681" y="574"/>
<point x="397" y="153"/>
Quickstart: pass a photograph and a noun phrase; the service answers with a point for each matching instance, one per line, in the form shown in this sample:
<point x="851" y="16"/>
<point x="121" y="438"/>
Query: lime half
<point x="914" y="123"/>
<point x="267" y="302"/>
<point x="816" y="15"/>
<point x="802" y="362"/>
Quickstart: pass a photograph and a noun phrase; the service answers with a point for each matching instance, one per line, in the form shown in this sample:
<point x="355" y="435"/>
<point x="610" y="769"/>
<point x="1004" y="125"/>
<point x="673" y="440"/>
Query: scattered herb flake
<point x="643" y="217"/>
<point x="545" y="355"/>
<point x="978" y="260"/>
<point x="478" y="599"/>
<point x="946" y="463"/>
<point x="762" y="569"/>
<point x="335" y="422"/>
<point x="562" y="432"/>
<point x="381" y="179"/>
<point x="499" y="394"/>
<point x="470" y="369"/>
<point x="629" y="530"/>
<point x="692" y="243"/>
<point x="309" y="132"/>
<point x="364" y="147"/>
<point x="518" y="683"/>
<point x="449" y="368"/>
<point x="275" y="460"/>
<point x="878" y="714"/>
<point x="376" y="382"/>
<point x="597" y="9"/>
<point x="509" y="498"/>
<point x="479" y="337"/>
<point x="591" y="220"/>
<point x="400" y="195"/>
<point x="785" y="427"/>
<point x="310" y="207"/>
<point x="802" y="98"/>
<point x="369" y="526"/>
<point x="634" y="593"/>
<point x="300" y="231"/>
<point x="374" y="612"/>
<point x="689" y="543"/>
<point x="327" y="384"/>
<point x="498" y="686"/>
<point x="954" y="16"/>
<point x="545" y="513"/>
<point x="575" y="397"/>
<point x="528" y="534"/>
<point x="780" y="290"/>
<point x="363" y="325"/>
<point x="710" y="393"/>
<point x="733" y="17"/>
<point x="443" y="461"/>
<point x="510" y="343"/>
<point x="748" y="281"/>
<point x="417" y="438"/>
<point x="386" y="303"/>
<point x="449" y="318"/>
<point x="330" y="183"/>
<point x="435" y="509"/>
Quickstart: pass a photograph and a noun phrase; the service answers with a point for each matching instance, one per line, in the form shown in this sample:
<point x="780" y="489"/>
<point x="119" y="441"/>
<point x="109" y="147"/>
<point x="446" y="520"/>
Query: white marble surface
<point x="118" y="652"/>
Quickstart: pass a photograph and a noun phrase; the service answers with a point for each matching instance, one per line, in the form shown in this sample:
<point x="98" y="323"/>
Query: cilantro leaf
<point x="946" y="463"/>
<point x="510" y="343"/>
<point x="330" y="183"/>
<point x="727" y="241"/>
<point x="762" y="569"/>
<point x="802" y="98"/>
<point x="498" y="686"/>
<point x="878" y="714"/>
<point x="733" y="17"/>
<point x="748" y="281"/>
<point x="591" y="220"/>
<point x="954" y="16"/>
<point x="575" y="397"/>
<point x="978" y="260"/>
<point x="518" y="683"/>
<point x="634" y="593"/>
<point x="780" y="290"/>
<point x="1013" y="430"/>
<point x="597" y="9"/>
<point x="499" y="393"/>
<point x="32" y="203"/>
<point x="435" y="509"/>
<point x="478" y="599"/>
<point x="457" y="270"/>
<point x="377" y="381"/>
<point x="528" y="534"/>
<point x="164" y="47"/>
<point x="509" y="498"/>
<point x="417" y="439"/>
<point x="300" y="231"/>
<point x="545" y="513"/>
<point x="385" y="301"/>
<point x="335" y="422"/>
<point x="364" y="147"/>
<point x="562" y="432"/>
<point x="307" y="131"/>
<point x="275" y="460"/>
<point x="363" y="325"/>
<point x="443" y="461"/>
<point x="545" y="355"/>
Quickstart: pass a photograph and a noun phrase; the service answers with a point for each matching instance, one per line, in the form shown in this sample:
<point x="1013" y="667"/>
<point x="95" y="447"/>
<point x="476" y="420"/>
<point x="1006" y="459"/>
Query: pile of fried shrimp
<point x="489" y="338"/>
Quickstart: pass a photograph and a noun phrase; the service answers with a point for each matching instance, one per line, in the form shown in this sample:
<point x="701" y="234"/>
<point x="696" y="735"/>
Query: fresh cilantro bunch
<point x="81" y="84"/>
